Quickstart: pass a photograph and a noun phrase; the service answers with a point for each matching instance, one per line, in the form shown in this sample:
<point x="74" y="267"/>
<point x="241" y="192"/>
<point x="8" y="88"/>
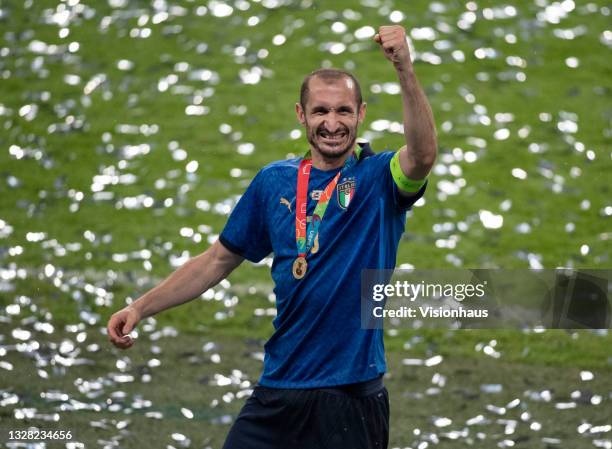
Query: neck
<point x="323" y="163"/>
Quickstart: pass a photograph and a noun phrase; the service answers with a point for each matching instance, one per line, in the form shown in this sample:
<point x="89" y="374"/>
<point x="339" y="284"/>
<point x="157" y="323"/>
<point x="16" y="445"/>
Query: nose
<point x="331" y="122"/>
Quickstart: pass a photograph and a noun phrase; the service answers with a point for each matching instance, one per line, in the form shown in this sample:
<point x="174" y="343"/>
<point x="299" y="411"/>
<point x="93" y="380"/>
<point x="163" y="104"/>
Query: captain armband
<point x="402" y="181"/>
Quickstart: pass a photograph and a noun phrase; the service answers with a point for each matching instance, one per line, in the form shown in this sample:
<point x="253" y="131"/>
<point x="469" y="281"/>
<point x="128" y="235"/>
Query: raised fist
<point x="392" y="41"/>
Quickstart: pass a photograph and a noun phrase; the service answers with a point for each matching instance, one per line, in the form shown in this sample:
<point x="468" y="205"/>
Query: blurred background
<point x="129" y="129"/>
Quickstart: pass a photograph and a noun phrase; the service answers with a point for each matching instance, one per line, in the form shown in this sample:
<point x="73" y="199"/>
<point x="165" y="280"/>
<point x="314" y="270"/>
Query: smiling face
<point x="331" y="117"/>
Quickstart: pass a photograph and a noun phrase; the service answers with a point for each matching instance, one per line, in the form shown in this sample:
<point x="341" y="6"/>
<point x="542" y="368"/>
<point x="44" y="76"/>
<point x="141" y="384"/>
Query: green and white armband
<point x="402" y="181"/>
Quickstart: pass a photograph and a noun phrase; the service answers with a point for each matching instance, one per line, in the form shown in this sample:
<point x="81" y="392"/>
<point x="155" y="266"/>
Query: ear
<point x="362" y="112"/>
<point x="299" y="112"/>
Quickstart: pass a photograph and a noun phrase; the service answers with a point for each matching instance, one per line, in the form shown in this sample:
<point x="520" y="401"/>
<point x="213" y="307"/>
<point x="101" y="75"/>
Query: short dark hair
<point x="329" y="76"/>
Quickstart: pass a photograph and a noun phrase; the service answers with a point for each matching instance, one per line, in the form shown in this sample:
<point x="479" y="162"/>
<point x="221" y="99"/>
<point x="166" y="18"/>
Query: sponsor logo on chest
<point x="316" y="194"/>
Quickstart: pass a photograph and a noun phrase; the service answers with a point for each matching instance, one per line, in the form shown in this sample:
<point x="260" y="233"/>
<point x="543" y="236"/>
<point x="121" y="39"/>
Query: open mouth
<point x="332" y="139"/>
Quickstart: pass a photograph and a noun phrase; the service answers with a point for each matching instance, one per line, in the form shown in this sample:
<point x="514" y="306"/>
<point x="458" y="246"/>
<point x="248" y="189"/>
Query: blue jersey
<point x="318" y="339"/>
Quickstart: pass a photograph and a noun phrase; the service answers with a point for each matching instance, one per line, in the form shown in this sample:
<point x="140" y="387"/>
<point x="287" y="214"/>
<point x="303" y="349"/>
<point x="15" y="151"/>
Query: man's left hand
<point x="392" y="41"/>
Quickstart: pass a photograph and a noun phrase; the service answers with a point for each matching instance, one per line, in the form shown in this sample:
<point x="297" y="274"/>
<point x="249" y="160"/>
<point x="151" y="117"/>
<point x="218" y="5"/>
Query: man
<point x="326" y="217"/>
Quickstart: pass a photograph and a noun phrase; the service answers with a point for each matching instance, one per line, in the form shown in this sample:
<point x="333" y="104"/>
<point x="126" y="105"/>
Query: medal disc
<point x="299" y="267"/>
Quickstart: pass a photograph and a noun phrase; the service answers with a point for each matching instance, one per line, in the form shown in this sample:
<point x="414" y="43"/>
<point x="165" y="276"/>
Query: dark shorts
<point x="352" y="416"/>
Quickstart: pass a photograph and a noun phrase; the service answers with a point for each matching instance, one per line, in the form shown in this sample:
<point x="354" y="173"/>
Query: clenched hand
<point x="120" y="325"/>
<point x="392" y="41"/>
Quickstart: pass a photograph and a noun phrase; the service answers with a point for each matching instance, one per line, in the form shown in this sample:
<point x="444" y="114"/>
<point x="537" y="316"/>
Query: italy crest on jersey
<point x="346" y="192"/>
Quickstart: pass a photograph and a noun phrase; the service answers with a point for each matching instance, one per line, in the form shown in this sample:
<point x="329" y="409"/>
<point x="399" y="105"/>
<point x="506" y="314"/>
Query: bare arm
<point x="188" y="282"/>
<point x="419" y="154"/>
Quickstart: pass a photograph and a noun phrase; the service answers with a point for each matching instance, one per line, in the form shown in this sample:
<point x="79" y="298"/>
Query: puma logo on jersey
<point x="286" y="203"/>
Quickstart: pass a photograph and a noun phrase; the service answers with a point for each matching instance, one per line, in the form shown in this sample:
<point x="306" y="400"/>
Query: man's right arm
<point x="188" y="282"/>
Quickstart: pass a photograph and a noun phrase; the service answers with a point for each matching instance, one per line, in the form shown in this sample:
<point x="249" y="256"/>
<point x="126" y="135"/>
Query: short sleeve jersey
<point x="318" y="339"/>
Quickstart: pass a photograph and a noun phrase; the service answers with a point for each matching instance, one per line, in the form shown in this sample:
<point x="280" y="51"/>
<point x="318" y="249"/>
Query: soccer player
<point x="325" y="216"/>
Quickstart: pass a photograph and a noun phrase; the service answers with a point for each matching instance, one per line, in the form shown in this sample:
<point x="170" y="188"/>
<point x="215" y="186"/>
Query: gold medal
<point x="299" y="267"/>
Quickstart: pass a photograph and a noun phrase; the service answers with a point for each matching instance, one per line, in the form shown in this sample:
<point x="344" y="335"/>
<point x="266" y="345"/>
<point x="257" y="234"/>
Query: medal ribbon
<point x="305" y="234"/>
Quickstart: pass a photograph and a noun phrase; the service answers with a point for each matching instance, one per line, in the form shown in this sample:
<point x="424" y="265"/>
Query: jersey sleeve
<point x="246" y="230"/>
<point x="390" y="190"/>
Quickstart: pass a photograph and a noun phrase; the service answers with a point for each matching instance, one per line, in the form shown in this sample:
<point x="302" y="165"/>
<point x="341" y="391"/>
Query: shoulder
<point x="375" y="160"/>
<point x="274" y="173"/>
<point x="282" y="167"/>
